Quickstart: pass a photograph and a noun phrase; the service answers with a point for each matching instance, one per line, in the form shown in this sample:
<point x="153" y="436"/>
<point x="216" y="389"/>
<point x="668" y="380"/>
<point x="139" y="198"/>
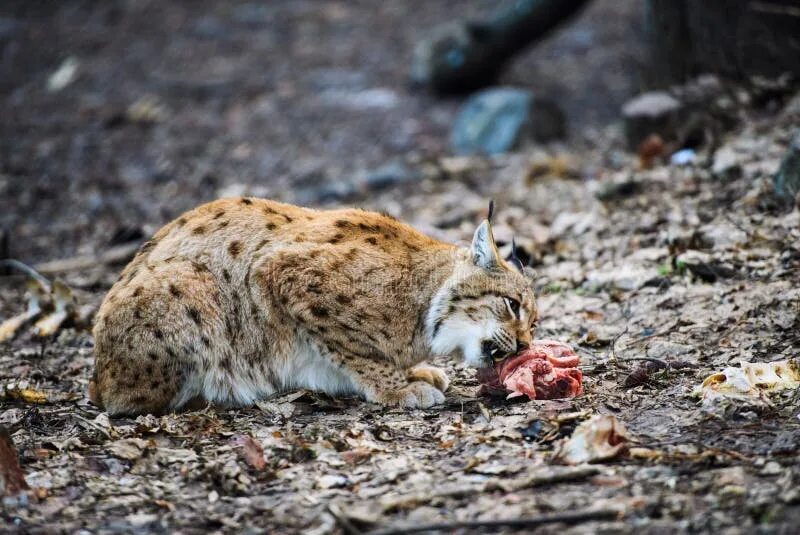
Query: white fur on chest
<point x="306" y="368"/>
<point x="303" y="367"/>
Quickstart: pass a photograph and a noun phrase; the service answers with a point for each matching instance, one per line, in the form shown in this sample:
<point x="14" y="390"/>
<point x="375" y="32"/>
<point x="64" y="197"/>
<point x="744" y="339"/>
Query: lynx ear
<point x="484" y="251"/>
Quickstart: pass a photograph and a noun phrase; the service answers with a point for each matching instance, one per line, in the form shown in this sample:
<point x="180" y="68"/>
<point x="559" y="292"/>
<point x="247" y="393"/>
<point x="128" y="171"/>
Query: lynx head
<point x="486" y="310"/>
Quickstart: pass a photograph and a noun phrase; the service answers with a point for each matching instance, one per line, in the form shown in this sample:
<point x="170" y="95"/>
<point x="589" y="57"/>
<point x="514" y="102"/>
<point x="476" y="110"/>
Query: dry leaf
<point x="600" y="438"/>
<point x="129" y="448"/>
<point x="751" y="381"/>
<point x="12" y="480"/>
<point x="252" y="451"/>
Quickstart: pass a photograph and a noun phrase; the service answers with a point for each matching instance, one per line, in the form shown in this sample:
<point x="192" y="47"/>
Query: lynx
<point x="240" y="299"/>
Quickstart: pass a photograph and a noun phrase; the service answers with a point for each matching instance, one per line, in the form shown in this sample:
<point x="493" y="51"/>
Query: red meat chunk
<point x="546" y="370"/>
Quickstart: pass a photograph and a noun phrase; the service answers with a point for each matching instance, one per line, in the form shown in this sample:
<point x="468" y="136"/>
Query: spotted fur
<point x="239" y="299"/>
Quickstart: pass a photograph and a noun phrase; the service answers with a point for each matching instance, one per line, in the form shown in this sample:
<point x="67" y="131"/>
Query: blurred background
<point x="119" y="114"/>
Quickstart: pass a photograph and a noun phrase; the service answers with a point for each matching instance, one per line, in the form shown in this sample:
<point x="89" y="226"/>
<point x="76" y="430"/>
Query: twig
<point x="512" y="485"/>
<point x="663" y="363"/>
<point x="561" y="518"/>
<point x="343" y="520"/>
<point x="93" y="425"/>
<point x="115" y="255"/>
<point x="29" y="271"/>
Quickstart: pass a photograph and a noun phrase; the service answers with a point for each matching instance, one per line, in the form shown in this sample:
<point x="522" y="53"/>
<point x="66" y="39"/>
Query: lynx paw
<point x="431" y="375"/>
<point x="416" y="395"/>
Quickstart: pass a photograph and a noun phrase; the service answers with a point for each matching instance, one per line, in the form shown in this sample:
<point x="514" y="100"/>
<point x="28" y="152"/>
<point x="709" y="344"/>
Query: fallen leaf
<point x="130" y="448"/>
<point x="356" y="456"/>
<point x="750" y="382"/>
<point x="12" y="480"/>
<point x="600" y="438"/>
<point x="252" y="451"/>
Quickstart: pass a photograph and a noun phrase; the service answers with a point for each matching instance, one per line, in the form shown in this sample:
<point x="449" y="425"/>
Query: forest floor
<point x="694" y="266"/>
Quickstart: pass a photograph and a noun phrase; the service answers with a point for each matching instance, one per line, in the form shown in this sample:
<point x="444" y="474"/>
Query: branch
<point x="562" y="518"/>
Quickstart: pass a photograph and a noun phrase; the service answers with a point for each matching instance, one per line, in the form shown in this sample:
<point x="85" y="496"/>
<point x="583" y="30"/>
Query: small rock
<point x="391" y="174"/>
<point x="683" y="157"/>
<point x="496" y="120"/>
<point x="616" y="190"/>
<point x="726" y="162"/>
<point x="786" y="181"/>
<point x="704" y="266"/>
<point x="331" y="482"/>
<point x="64" y="75"/>
<point x="772" y="468"/>
<point x="661" y="349"/>
<point x="327" y="193"/>
<point x="656" y="112"/>
<point x="721" y="236"/>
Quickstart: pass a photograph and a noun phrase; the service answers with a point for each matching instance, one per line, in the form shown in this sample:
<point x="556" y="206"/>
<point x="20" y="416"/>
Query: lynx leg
<point x="429" y="374"/>
<point x="381" y="382"/>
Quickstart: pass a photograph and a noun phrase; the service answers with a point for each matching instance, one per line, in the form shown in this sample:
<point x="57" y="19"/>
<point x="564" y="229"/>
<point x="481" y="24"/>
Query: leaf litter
<point x="666" y="262"/>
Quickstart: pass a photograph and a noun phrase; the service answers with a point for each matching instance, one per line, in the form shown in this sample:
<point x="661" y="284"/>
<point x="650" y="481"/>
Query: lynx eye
<point x="513" y="306"/>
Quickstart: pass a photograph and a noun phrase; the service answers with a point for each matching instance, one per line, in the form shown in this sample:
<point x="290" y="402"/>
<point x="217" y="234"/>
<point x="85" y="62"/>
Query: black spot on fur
<point x="181" y="221"/>
<point x="234" y="248"/>
<point x="271" y="226"/>
<point x="174" y="290"/>
<point x="226" y="275"/>
<point x="436" y="326"/>
<point x="343" y="299"/>
<point x="342" y="223"/>
<point x="200" y="229"/>
<point x="319" y="311"/>
<point x="152" y="356"/>
<point x="137" y="292"/>
<point x="147" y="246"/>
<point x="193" y="314"/>
<point x="206" y="342"/>
<point x="158" y="334"/>
<point x="246" y="201"/>
<point x="219" y="214"/>
<point x="371" y="241"/>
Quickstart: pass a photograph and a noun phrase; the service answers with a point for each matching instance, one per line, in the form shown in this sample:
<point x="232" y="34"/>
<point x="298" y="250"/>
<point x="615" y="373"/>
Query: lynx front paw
<point x="429" y="374"/>
<point x="416" y="395"/>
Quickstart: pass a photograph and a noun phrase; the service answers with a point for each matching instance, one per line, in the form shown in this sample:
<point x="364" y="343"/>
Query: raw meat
<point x="546" y="370"/>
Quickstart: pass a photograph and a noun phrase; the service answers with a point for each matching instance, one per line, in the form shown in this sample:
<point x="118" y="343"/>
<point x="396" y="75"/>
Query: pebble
<point x="497" y="120"/>
<point x="655" y="112"/>
<point x="390" y="174"/>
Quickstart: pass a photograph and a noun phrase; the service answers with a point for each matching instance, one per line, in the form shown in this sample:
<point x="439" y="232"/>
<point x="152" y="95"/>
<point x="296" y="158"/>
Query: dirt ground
<point x="694" y="267"/>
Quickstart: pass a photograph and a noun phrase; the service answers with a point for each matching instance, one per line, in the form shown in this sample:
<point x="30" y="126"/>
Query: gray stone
<point x="497" y="120"/>
<point x="656" y="112"/>
<point x="704" y="266"/>
<point x="390" y="174"/>
<point x="786" y="181"/>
